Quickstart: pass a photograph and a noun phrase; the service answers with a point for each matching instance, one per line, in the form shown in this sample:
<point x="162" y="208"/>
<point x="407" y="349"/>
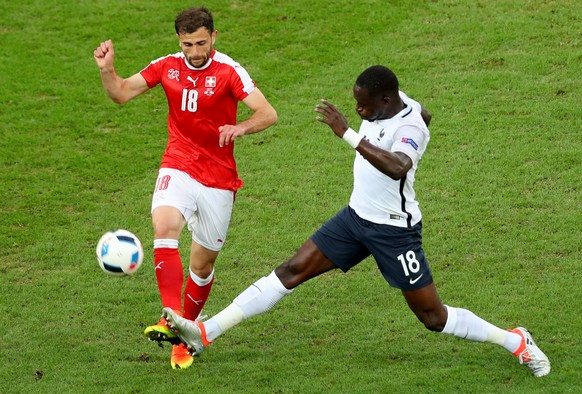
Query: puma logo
<point x="189" y="78"/>
<point x="197" y="302"/>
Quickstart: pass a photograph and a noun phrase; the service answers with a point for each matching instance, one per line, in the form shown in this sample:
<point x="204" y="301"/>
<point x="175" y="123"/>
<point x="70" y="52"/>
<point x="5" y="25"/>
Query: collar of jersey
<point x="191" y="67"/>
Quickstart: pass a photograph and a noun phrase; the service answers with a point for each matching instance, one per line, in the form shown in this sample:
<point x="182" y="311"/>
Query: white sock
<point x="465" y="324"/>
<point x="201" y="281"/>
<point x="166" y="243"/>
<point x="256" y="299"/>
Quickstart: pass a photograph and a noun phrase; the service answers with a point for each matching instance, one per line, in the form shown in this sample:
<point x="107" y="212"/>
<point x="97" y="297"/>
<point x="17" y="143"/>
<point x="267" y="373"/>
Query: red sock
<point x="195" y="297"/>
<point x="170" y="276"/>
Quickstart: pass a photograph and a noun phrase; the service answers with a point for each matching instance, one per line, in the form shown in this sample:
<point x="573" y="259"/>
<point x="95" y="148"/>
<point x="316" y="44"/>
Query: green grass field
<point x="499" y="187"/>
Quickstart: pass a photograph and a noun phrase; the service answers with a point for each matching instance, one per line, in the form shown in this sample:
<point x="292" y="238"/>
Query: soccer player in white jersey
<point x="198" y="178"/>
<point x="382" y="220"/>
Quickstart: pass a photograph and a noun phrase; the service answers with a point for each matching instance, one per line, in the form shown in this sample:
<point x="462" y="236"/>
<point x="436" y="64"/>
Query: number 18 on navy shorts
<point x="347" y="239"/>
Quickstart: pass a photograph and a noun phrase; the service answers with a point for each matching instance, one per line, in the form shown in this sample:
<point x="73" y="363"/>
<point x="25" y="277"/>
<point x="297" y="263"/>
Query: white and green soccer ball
<point x="119" y="253"/>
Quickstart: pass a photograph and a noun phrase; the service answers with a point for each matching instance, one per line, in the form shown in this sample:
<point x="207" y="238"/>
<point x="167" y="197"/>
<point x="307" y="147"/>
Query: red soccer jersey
<point x="200" y="100"/>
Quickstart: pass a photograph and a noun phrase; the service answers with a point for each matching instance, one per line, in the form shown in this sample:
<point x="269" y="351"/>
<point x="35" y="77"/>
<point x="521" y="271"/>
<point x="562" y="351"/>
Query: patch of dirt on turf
<point x="144" y="357"/>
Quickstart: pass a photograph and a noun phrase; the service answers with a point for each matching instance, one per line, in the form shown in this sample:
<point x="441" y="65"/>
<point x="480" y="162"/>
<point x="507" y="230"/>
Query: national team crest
<point x="174" y="74"/>
<point x="210" y="82"/>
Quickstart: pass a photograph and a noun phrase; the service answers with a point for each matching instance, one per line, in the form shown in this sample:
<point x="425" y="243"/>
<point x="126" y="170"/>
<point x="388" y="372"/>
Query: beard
<point x="199" y="61"/>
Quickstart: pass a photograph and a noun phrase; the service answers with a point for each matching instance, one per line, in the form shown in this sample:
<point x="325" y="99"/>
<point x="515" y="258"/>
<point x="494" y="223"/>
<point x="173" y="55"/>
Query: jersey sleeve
<point x="241" y="82"/>
<point x="153" y="73"/>
<point x="410" y="140"/>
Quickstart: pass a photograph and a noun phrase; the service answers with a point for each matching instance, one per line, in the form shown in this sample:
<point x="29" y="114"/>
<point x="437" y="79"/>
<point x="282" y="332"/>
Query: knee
<point x="167" y="222"/>
<point x="433" y="320"/>
<point x="202" y="260"/>
<point x="202" y="272"/>
<point x="290" y="274"/>
<point x="308" y="262"/>
<point x="164" y="228"/>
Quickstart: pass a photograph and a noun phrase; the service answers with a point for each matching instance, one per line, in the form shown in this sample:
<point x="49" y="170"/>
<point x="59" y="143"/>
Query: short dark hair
<point x="380" y="81"/>
<point x="192" y="19"/>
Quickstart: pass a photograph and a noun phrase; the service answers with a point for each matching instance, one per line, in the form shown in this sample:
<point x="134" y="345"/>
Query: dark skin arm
<point x="393" y="164"/>
<point x="426" y="116"/>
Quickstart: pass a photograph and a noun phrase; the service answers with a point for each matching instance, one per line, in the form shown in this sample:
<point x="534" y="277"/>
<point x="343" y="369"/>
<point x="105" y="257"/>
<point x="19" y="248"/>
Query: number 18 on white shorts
<point x="207" y="210"/>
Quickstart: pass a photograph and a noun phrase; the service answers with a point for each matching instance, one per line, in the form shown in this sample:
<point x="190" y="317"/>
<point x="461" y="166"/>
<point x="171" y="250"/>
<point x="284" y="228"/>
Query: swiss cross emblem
<point x="210" y="82"/>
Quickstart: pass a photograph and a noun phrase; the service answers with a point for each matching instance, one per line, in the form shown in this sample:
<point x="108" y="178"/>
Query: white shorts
<point x="206" y="210"/>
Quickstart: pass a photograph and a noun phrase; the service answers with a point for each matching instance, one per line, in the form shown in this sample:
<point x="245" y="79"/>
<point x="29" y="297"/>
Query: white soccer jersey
<point x="376" y="197"/>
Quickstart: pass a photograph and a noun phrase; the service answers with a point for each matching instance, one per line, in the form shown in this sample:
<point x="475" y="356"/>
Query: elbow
<point x="427" y="119"/>
<point x="394" y="172"/>
<point x="273" y="116"/>
<point x="118" y="99"/>
<point x="399" y="171"/>
<point x="426" y="116"/>
<point x="397" y="174"/>
<point x="118" y="96"/>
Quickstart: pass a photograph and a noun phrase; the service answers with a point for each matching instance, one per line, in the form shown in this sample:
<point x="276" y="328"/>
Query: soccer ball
<point x="119" y="253"/>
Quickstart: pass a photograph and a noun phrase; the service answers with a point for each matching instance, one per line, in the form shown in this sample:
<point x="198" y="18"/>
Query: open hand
<point x="332" y="117"/>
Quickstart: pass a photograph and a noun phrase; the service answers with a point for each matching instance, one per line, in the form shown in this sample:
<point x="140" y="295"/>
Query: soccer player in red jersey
<point x="198" y="178"/>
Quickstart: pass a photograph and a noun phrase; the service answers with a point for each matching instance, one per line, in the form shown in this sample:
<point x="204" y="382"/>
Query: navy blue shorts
<point x="347" y="239"/>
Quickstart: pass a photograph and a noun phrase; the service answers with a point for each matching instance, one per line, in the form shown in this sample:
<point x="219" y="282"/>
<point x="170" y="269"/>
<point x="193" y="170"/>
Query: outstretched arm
<point x="118" y="89"/>
<point x="393" y="164"/>
<point x="264" y="115"/>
